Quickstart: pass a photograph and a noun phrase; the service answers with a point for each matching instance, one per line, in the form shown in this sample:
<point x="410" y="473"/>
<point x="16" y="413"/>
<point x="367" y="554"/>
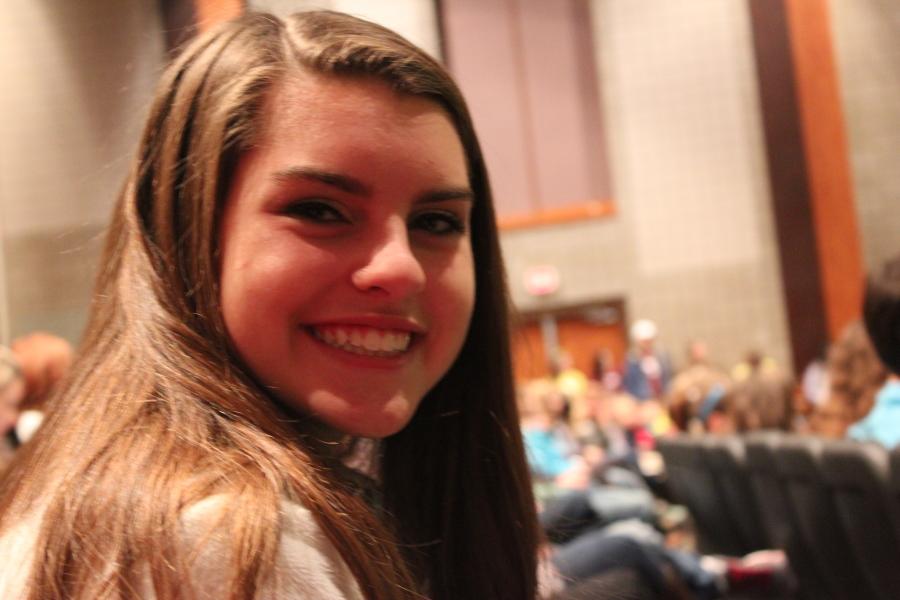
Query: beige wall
<point x="692" y="244"/>
<point x="867" y="38"/>
<point x="77" y="78"/>
<point x="414" y="19"/>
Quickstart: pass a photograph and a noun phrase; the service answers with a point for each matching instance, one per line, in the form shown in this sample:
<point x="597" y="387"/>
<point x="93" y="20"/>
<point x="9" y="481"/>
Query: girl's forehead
<point x="304" y="99"/>
<point x="356" y="126"/>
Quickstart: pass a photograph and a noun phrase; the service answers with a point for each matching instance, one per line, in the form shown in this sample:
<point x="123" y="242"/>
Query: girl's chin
<point x="332" y="420"/>
<point x="379" y="426"/>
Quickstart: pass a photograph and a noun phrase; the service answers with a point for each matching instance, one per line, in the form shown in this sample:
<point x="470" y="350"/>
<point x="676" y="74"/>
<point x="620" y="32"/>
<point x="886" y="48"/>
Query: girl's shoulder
<point x="17" y="549"/>
<point x="307" y="565"/>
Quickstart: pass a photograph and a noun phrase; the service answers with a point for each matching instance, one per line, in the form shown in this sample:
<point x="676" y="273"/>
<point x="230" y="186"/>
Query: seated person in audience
<point x="610" y="522"/>
<point x="563" y="480"/>
<point x="656" y="421"/>
<point x="750" y="405"/>
<point x="763" y="400"/>
<point x="881" y="312"/>
<point x="855" y="374"/>
<point x="692" y="385"/>
<point x="648" y="369"/>
<point x="754" y="362"/>
<point x="44" y="359"/>
<point x="716" y="413"/>
<point x="612" y="526"/>
<point x="572" y="383"/>
<point x="605" y="429"/>
<point x="589" y="431"/>
<point x="605" y="370"/>
<point x="626" y="431"/>
<point x="814" y="381"/>
<point x="12" y="389"/>
<point x="551" y="447"/>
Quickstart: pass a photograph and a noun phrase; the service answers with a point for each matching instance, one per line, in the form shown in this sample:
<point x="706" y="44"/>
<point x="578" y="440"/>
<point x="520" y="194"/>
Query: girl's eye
<point x="438" y="223"/>
<point x="316" y="211"/>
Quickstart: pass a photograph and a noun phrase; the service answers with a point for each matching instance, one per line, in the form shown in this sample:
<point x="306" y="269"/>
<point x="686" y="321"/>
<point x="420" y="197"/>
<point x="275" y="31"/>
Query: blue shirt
<point x="882" y="424"/>
<point x="546" y="456"/>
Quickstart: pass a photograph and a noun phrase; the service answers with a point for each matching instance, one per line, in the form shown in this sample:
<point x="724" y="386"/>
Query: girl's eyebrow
<point x="354" y="186"/>
<point x="345" y="183"/>
<point x="447" y="194"/>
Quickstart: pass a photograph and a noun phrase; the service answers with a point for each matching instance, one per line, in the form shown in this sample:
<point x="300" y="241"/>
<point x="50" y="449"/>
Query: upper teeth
<point x="364" y="340"/>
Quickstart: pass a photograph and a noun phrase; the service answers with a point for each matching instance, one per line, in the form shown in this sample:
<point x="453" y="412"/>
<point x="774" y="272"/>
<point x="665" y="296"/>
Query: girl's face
<point x="347" y="276"/>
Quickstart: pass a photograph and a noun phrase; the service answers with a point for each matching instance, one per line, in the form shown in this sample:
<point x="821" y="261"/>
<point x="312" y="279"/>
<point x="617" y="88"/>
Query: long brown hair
<point x="855" y="375"/>
<point x="158" y="412"/>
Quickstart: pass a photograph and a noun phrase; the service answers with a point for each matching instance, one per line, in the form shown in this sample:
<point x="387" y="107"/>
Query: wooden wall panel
<point x="806" y="147"/>
<point x="788" y="181"/>
<point x="210" y="12"/>
<point x="528" y="71"/>
<point x="825" y="144"/>
<point x="183" y="19"/>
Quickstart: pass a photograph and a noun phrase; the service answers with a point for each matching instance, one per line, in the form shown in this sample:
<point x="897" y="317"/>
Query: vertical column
<point x="183" y="20"/>
<point x="178" y="22"/>
<point x="828" y="169"/>
<point x="809" y="177"/>
<point x="210" y="12"/>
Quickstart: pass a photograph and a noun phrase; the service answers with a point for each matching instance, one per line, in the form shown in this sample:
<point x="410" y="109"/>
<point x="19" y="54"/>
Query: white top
<point x="307" y="566"/>
<point x="28" y="423"/>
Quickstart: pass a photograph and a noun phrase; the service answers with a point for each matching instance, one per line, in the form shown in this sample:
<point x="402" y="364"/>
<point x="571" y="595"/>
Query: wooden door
<point x="583" y="340"/>
<point x="529" y="354"/>
<point x="578" y="332"/>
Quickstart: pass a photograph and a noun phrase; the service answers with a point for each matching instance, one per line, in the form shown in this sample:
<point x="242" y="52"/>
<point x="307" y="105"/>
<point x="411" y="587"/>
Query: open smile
<point x="364" y="340"/>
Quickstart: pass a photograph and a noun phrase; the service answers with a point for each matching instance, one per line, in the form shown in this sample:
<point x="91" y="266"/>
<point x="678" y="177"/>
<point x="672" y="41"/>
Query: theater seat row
<point x="833" y="506"/>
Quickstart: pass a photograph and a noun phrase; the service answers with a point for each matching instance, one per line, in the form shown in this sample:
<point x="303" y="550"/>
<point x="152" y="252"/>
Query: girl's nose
<point x="391" y="269"/>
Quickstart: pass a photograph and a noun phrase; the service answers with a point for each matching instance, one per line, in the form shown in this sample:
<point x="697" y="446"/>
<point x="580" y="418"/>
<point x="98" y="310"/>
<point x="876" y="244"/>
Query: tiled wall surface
<point x="49" y="277"/>
<point x="77" y="81"/>
<point x="692" y="243"/>
<point x="867" y="38"/>
<point x="414" y="19"/>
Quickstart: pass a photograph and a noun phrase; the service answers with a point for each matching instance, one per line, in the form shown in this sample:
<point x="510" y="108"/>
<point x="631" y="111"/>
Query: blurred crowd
<point x="575" y="423"/>
<point x="590" y="440"/>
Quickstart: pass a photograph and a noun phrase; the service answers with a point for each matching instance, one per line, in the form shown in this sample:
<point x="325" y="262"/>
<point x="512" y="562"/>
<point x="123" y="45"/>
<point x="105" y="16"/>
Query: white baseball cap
<point x="643" y="329"/>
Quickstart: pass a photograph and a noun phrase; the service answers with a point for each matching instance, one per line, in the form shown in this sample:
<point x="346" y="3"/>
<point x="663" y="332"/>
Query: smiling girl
<point x="303" y="269"/>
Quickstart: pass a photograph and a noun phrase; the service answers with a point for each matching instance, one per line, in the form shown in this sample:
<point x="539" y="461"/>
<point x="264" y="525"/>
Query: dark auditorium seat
<point x="894" y="488"/>
<point x="799" y="461"/>
<point x="693" y="485"/>
<point x="776" y="513"/>
<point x="726" y="457"/>
<point x="858" y="475"/>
